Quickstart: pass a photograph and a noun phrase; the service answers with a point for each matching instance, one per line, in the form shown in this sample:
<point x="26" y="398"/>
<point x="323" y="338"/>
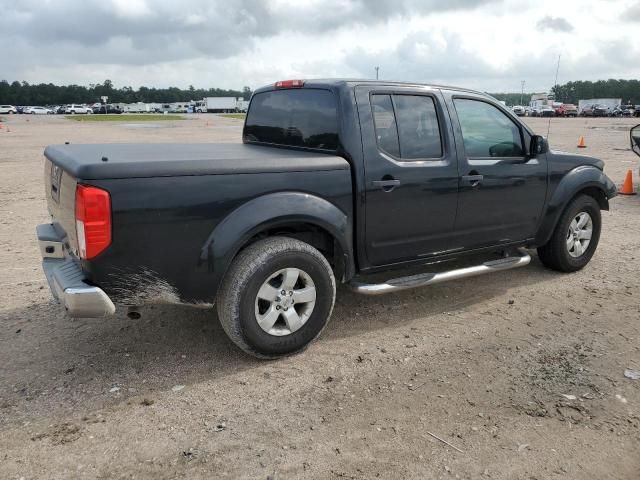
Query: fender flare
<point x="578" y="179"/>
<point x="272" y="210"/>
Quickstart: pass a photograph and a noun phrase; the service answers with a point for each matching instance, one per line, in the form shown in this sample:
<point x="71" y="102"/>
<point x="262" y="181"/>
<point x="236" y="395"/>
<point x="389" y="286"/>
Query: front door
<point x="502" y="189"/>
<point x="411" y="173"/>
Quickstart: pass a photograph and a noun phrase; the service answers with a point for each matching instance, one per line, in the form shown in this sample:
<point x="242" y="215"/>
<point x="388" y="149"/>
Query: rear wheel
<point x="277" y="297"/>
<point x="575" y="239"/>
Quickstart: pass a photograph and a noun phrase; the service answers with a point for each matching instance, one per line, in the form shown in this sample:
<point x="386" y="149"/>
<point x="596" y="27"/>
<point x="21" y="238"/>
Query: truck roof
<point x="341" y="82"/>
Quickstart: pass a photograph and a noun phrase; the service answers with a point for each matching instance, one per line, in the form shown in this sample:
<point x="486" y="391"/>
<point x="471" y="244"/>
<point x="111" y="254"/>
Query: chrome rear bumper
<point x="67" y="280"/>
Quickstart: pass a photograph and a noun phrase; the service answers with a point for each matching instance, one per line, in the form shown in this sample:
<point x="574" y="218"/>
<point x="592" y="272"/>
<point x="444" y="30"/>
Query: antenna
<point x="555" y="86"/>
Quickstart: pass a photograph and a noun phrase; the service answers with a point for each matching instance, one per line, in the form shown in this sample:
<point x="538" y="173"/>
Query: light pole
<point x="522" y="92"/>
<point x="377" y="68"/>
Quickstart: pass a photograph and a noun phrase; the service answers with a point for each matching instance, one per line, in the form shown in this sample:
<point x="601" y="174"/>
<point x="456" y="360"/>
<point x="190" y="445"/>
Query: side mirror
<point x="538" y="146"/>
<point x="635" y="139"/>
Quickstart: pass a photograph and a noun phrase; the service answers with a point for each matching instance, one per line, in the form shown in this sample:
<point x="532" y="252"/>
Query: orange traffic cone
<point x="582" y="143"/>
<point x="627" y="186"/>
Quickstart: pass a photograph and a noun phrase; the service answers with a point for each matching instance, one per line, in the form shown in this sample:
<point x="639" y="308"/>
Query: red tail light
<point x="93" y="220"/>
<point x="290" y="84"/>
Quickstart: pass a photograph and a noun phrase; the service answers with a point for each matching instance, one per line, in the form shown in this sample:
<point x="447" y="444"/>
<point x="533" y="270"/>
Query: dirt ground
<point x="484" y="363"/>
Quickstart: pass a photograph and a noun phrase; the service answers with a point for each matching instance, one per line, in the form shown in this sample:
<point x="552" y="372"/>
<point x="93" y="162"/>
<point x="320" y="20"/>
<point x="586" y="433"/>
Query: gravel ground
<point x="485" y="365"/>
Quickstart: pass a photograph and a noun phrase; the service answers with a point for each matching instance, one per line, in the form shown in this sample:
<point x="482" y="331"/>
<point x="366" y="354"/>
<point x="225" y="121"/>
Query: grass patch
<point x="124" y="117"/>
<point x="239" y="116"/>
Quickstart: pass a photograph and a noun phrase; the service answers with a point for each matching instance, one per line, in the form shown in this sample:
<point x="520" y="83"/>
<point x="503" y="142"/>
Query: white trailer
<point x="218" y="105"/>
<point x="610" y="103"/>
<point x="138" y="107"/>
<point x="242" y="105"/>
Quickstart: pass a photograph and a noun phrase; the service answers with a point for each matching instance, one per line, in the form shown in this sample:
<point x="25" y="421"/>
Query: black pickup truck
<point x="335" y="180"/>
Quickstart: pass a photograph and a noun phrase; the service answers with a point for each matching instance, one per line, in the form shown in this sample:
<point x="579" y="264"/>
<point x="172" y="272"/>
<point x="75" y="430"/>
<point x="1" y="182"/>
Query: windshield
<point x="302" y="117"/>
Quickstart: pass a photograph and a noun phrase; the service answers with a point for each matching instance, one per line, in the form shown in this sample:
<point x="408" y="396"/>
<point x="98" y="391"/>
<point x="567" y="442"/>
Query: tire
<point x="262" y="267"/>
<point x="558" y="254"/>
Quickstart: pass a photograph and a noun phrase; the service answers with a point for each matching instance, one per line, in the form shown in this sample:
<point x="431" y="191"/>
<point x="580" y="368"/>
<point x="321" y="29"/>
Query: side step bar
<point x="424" y="279"/>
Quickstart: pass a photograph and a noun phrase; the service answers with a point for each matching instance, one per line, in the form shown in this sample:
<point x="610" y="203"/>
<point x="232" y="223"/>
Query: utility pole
<point x="522" y="93"/>
<point x="377" y="68"/>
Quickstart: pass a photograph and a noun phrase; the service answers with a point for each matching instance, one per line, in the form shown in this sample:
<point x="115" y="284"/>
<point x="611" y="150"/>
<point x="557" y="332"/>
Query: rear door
<point x="411" y="174"/>
<point x="502" y="190"/>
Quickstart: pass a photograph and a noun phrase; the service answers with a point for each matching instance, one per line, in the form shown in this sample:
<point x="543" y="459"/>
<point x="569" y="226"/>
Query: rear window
<point x="303" y="117"/>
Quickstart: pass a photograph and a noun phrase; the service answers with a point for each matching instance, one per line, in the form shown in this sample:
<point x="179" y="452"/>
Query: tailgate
<point x="60" y="191"/>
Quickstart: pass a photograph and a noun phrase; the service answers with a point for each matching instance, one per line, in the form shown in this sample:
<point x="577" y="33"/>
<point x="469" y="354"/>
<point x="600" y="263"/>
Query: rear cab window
<point x="407" y="126"/>
<point x="297" y="117"/>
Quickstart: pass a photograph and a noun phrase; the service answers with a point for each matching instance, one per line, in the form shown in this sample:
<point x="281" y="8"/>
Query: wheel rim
<point x="579" y="234"/>
<point x="285" y="301"/>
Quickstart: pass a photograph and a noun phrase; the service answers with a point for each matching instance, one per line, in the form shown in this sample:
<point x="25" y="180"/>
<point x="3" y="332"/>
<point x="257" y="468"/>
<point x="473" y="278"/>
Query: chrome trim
<point x="88" y="302"/>
<point x="424" y="279"/>
<point x="66" y="279"/>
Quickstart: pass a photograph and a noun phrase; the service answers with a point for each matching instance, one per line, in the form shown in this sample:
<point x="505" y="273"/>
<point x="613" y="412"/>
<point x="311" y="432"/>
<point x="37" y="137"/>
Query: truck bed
<point x="87" y="162"/>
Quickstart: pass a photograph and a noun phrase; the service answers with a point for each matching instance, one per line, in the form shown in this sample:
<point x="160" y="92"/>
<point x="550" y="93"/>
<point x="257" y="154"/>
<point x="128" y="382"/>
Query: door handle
<point x="387" y="184"/>
<point x="473" y="180"/>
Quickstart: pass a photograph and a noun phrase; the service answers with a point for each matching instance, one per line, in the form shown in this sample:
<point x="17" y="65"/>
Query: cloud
<point x="632" y="14"/>
<point x="556" y="24"/>
<point x="425" y="58"/>
<point x="141" y="31"/>
<point x="441" y="58"/>
<point x="482" y="44"/>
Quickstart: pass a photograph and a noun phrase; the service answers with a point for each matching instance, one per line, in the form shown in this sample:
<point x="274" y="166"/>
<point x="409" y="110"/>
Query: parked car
<point x="102" y="109"/>
<point x="595" y="110"/>
<point x="518" y="110"/>
<point x="9" y="109"/>
<point x="636" y="111"/>
<point x="37" y="111"/>
<point x="625" y="111"/>
<point x="543" y="111"/>
<point x="73" y="109"/>
<point x="567" y="110"/>
<point x="335" y="180"/>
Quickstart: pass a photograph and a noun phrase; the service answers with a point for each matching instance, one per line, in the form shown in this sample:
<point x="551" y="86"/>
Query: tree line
<point x="572" y="92"/>
<point x="23" y="93"/>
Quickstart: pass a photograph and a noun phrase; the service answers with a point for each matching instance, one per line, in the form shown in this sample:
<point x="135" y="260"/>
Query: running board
<point x="424" y="279"/>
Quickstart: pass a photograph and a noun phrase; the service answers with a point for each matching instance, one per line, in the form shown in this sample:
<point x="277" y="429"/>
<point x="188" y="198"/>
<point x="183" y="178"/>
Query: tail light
<point x="290" y="84"/>
<point x="93" y="221"/>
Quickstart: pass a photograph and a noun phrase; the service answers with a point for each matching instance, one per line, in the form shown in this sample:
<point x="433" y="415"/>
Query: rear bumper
<point x="67" y="280"/>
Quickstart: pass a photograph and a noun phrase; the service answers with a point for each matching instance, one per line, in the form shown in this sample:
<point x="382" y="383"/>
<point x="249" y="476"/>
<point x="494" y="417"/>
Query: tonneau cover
<point x="171" y="159"/>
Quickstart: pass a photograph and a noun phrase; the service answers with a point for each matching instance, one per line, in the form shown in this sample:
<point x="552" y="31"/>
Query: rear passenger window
<point x="385" y="124"/>
<point x="407" y="126"/>
<point x="418" y="127"/>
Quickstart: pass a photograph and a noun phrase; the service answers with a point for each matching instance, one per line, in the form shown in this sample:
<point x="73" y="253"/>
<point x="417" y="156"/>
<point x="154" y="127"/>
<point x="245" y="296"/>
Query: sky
<point x="488" y="45"/>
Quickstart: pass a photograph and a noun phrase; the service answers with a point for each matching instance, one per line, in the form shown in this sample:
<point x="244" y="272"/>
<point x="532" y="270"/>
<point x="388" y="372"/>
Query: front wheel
<point x="276" y="297"/>
<point x="575" y="238"/>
